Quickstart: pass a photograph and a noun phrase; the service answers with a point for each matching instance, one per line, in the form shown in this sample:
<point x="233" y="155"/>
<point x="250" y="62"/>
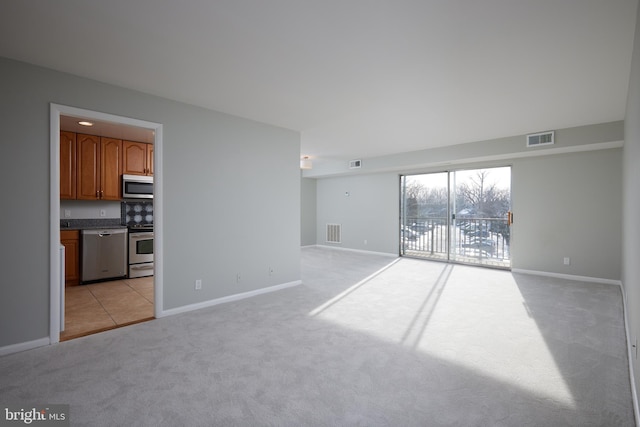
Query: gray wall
<point x="368" y="213"/>
<point x="568" y="206"/>
<point x="563" y="204"/>
<point x="307" y="211"/>
<point x="631" y="163"/>
<point x="507" y="148"/>
<point x="231" y="195"/>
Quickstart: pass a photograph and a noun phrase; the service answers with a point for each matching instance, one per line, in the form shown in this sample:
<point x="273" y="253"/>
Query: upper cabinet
<point x="91" y="166"/>
<point x="88" y="164"/>
<point x="137" y="158"/>
<point x="149" y="159"/>
<point x="110" y="168"/>
<point x="99" y="166"/>
<point x="68" y="184"/>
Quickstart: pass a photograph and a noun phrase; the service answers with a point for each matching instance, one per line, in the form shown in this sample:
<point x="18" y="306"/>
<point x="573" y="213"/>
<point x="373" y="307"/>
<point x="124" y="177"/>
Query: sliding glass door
<point x="462" y="216"/>
<point x="424" y="230"/>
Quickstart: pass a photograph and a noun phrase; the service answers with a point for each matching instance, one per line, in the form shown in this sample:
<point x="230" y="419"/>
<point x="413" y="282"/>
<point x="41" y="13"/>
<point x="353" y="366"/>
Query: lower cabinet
<point x="71" y="241"/>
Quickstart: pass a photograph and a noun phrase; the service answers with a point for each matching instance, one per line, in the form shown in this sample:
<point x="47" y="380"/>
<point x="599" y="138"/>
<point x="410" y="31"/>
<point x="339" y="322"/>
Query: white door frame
<point x="56" y="287"/>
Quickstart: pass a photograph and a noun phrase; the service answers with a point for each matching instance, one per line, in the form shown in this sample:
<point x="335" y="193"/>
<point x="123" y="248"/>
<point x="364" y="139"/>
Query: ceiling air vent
<point x="355" y="164"/>
<point x="542" y="138"/>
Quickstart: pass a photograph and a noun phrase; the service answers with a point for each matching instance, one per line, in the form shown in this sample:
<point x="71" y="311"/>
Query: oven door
<point x="140" y="247"/>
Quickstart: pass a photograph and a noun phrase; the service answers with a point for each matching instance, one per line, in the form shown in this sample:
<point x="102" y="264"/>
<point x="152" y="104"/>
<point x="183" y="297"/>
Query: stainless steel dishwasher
<point x="104" y="254"/>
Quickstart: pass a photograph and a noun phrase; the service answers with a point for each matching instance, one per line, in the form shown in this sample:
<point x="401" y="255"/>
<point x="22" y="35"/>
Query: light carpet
<point x="366" y="340"/>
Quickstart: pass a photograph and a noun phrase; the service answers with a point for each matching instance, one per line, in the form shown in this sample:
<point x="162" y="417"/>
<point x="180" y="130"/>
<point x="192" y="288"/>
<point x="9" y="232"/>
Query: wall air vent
<point x="355" y="164"/>
<point x="333" y="233"/>
<point x="542" y="138"/>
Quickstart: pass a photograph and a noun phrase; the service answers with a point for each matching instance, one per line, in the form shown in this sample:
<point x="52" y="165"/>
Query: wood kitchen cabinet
<point x="71" y="241"/>
<point x="137" y="158"/>
<point x="149" y="159"/>
<point x="111" y="168"/>
<point x="99" y="166"/>
<point x="68" y="165"/>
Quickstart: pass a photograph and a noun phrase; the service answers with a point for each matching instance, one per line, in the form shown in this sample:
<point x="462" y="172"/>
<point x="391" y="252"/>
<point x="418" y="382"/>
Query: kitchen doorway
<point x="57" y="282"/>
<point x="459" y="216"/>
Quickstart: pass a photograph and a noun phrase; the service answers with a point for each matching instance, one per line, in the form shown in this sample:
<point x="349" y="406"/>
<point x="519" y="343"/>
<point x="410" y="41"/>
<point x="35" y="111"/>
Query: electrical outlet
<point x="365" y="241"/>
<point x="103" y="213"/>
<point x="238" y="278"/>
<point x="198" y="284"/>
<point x="67" y="213"/>
<point x="567" y="260"/>
<point x="270" y="271"/>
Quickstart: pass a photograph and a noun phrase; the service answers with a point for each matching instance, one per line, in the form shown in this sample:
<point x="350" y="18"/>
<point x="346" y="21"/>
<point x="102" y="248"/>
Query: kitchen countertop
<point x="109" y="227"/>
<point x="90" y="224"/>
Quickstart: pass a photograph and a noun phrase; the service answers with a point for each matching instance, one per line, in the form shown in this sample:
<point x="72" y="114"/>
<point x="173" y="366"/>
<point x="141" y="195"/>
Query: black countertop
<point x="90" y="224"/>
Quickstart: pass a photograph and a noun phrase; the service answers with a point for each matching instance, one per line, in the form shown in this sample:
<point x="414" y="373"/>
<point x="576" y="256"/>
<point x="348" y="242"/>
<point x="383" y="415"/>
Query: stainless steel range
<point x="137" y="215"/>
<point x="141" y="250"/>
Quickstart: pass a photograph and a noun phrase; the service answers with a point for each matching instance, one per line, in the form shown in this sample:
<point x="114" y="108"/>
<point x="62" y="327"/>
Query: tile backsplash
<point x="135" y="212"/>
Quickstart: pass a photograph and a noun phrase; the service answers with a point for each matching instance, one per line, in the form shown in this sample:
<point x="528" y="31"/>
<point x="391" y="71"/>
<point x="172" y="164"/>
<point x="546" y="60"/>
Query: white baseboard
<point x="230" y="298"/>
<point x="568" y="277"/>
<point x="23" y="346"/>
<point x="340" y="248"/>
<point x="15" y="348"/>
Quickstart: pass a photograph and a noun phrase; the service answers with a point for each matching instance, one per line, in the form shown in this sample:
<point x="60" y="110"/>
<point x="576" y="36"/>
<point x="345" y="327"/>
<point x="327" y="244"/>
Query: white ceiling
<point x="357" y="78"/>
<point x="112" y="130"/>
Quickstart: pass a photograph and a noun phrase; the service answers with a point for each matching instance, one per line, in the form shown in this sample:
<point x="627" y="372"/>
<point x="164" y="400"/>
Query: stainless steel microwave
<point x="137" y="187"/>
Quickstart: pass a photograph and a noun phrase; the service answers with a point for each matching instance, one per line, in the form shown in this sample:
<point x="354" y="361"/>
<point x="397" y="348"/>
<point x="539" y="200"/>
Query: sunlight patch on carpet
<point x="470" y="317"/>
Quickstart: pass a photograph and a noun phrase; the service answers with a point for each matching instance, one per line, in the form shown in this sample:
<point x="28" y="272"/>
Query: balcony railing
<point x="473" y="240"/>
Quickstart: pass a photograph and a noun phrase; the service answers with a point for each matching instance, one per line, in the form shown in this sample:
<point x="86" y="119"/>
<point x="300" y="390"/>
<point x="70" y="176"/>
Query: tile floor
<point x="106" y="305"/>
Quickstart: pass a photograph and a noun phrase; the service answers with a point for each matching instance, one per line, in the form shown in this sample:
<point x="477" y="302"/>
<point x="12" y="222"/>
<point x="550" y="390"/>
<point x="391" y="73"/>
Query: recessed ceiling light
<point x="85" y="123"/>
